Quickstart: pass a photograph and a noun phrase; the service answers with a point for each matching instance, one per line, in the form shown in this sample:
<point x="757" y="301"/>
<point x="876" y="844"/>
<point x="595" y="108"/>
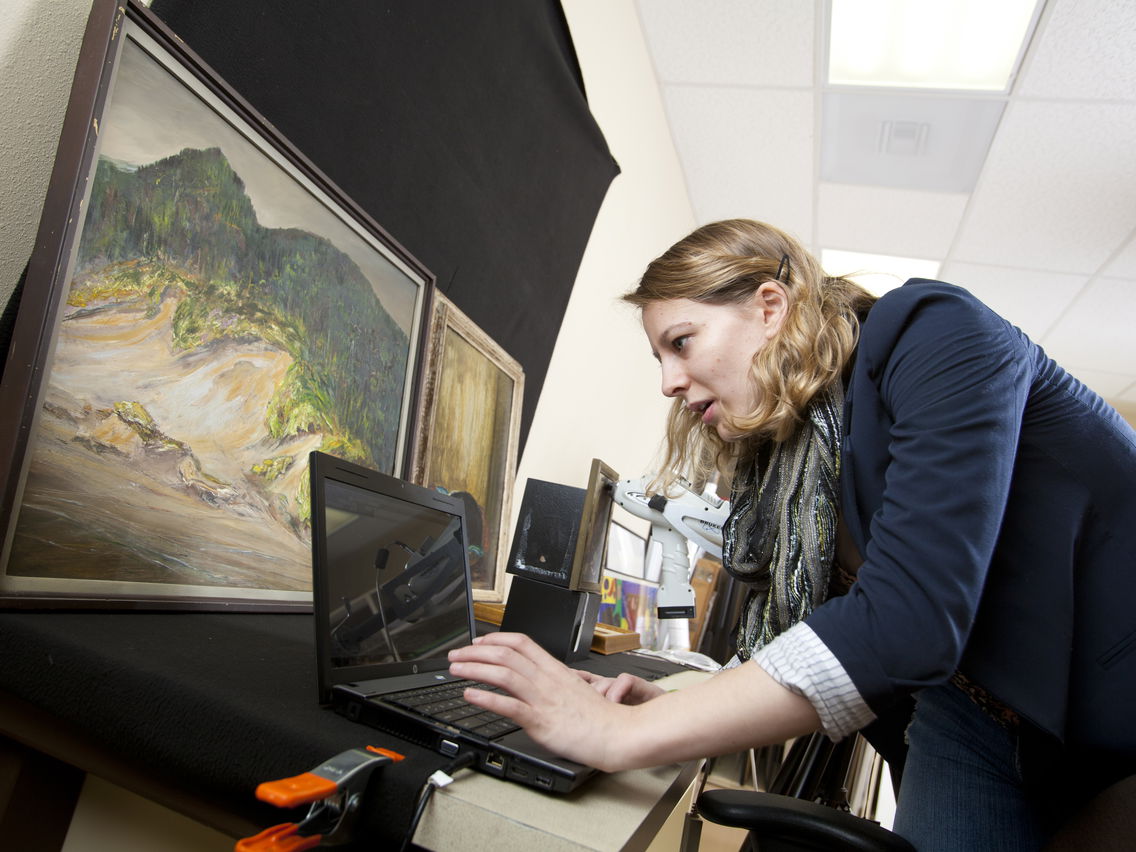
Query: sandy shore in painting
<point x="177" y="502"/>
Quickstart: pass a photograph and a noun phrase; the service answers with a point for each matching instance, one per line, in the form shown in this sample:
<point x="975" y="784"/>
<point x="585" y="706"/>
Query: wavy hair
<point x="724" y="263"/>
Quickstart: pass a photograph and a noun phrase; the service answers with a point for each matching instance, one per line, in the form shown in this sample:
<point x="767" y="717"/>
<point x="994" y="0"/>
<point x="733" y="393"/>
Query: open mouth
<point x="701" y="407"/>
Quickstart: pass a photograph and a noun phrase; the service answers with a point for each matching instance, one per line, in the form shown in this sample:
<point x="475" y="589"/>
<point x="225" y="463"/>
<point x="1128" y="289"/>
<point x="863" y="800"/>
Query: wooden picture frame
<point x="469" y="422"/>
<point x="595" y="524"/>
<point x="203" y="307"/>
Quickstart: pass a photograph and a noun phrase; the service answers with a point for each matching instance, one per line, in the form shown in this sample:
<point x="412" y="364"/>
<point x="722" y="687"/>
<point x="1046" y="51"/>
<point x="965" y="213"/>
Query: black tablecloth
<point x="213" y="703"/>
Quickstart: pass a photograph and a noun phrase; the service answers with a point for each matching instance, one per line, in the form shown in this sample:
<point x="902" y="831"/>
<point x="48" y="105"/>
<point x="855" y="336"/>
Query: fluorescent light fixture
<point x="876" y="273"/>
<point x="938" y="44"/>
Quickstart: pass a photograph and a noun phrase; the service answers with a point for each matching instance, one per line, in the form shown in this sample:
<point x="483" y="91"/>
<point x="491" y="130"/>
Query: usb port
<point x="544" y="781"/>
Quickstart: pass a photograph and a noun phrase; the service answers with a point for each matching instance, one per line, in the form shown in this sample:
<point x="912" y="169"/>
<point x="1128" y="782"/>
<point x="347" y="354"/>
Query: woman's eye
<point x="679" y="343"/>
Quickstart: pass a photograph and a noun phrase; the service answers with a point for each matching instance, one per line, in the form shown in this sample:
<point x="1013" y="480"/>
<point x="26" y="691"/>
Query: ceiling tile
<point x="1078" y="159"/>
<point x="1031" y="300"/>
<point x="731" y="42"/>
<point x="1085" y="50"/>
<point x="1109" y="385"/>
<point x="888" y="221"/>
<point x="735" y="166"/>
<point x="1124" y="264"/>
<point x="906" y="141"/>
<point x="1095" y="332"/>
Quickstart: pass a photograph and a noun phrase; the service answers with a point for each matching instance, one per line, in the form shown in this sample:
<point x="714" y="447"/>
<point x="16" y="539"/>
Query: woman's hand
<point x="623" y="689"/>
<point x="734" y="710"/>
<point x="554" y="705"/>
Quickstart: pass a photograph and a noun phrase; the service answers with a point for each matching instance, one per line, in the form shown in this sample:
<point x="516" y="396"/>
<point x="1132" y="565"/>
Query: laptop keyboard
<point x="444" y="702"/>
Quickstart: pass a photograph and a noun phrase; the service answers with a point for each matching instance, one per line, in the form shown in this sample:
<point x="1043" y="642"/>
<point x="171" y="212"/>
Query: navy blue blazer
<point x="993" y="498"/>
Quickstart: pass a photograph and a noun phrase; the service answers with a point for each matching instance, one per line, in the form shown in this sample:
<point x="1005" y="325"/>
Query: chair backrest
<point x="1106" y="823"/>
<point x="816" y="769"/>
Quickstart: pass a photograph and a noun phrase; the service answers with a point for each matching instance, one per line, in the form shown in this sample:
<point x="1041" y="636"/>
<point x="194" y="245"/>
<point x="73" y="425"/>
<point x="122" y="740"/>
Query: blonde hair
<point x="724" y="263"/>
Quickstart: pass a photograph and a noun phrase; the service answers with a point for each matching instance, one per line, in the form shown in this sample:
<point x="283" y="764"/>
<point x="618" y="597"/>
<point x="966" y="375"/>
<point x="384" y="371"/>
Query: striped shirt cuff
<point x="802" y="663"/>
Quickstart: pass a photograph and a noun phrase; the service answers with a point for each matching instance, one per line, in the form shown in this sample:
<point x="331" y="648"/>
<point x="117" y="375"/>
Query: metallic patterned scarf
<point x="780" y="536"/>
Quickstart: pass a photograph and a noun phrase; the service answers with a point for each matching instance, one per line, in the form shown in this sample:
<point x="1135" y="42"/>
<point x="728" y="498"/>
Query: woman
<point x="981" y="499"/>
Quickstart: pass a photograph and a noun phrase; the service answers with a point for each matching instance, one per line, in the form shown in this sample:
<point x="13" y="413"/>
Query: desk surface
<point x="193" y="710"/>
<point x="624" y="812"/>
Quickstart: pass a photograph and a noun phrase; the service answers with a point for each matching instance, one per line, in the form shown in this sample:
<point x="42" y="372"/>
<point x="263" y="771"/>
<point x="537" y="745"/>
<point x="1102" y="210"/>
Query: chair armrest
<point x="788" y="823"/>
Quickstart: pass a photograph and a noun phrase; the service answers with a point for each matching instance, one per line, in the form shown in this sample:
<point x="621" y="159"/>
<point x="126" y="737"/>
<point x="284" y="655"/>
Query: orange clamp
<point x="386" y="752"/>
<point x="298" y="790"/>
<point x="279" y="838"/>
<point x="333" y="791"/>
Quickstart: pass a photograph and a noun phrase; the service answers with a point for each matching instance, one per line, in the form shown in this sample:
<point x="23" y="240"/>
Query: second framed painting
<point x="468" y="430"/>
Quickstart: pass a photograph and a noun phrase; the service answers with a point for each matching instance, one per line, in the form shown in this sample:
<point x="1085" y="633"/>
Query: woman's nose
<point x="674" y="379"/>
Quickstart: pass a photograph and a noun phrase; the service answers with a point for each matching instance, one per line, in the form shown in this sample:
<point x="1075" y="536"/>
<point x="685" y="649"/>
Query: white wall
<point x="39" y="43"/>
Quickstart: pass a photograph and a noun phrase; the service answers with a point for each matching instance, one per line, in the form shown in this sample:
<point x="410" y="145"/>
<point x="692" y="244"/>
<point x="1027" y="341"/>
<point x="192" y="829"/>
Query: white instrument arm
<point x="674" y="520"/>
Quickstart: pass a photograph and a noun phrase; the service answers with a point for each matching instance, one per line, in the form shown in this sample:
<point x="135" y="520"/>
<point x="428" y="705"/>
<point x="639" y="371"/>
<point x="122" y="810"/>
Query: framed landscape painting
<point x="468" y="431"/>
<point x="202" y="310"/>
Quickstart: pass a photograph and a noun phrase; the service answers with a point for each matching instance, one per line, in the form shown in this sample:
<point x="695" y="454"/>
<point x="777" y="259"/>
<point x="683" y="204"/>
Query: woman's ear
<point x="772" y="302"/>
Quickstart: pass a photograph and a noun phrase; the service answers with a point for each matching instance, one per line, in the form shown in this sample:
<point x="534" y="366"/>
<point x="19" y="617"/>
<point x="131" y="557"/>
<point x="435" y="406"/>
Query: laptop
<point x="392" y="595"/>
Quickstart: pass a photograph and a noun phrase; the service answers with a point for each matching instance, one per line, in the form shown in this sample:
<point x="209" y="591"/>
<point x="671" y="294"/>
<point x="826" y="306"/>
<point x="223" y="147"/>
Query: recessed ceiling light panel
<point x="972" y="45"/>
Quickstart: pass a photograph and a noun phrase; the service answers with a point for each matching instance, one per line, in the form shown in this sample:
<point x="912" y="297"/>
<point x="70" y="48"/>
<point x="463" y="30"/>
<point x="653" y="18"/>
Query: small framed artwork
<point x="630" y="603"/>
<point x="626" y="551"/>
<point x="562" y="531"/>
<point x="203" y="308"/>
<point x="469" y="421"/>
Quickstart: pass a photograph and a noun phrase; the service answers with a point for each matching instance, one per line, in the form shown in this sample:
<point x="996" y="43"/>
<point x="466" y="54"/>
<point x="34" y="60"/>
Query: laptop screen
<point x="391" y="580"/>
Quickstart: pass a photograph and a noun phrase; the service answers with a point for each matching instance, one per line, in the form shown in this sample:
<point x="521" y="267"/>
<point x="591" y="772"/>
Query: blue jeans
<point x="963" y="787"/>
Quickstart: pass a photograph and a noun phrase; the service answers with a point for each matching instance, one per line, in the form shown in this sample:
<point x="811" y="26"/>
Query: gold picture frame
<point x="469" y="421"/>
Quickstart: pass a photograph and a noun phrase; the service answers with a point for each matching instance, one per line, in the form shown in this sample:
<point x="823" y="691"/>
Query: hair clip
<point x="784" y="264"/>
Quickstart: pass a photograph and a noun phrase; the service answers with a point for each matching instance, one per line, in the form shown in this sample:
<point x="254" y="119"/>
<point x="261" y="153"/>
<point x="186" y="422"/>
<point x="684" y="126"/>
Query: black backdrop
<point x="461" y="127"/>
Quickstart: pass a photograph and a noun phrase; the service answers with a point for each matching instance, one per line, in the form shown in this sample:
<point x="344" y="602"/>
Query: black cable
<point x="459" y="762"/>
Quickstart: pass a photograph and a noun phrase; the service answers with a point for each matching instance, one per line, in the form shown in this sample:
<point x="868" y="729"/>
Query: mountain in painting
<point x="186" y="222"/>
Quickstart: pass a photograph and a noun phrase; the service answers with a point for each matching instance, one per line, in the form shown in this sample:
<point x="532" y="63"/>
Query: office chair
<point x="803" y="812"/>
<point x="805" y="809"/>
<point x="789" y="819"/>
<point x="1107" y="823"/>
